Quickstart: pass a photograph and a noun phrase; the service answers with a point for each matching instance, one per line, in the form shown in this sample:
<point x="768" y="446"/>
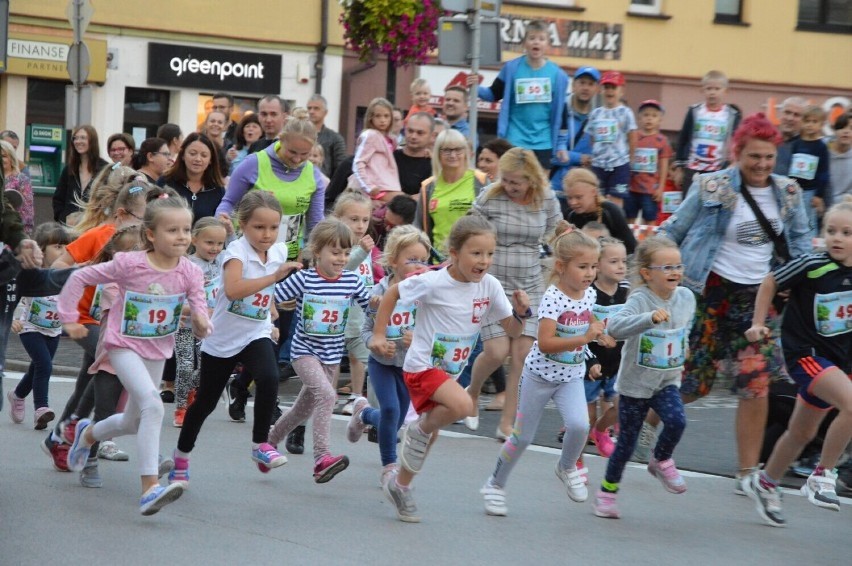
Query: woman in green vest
<point x="283" y="169"/>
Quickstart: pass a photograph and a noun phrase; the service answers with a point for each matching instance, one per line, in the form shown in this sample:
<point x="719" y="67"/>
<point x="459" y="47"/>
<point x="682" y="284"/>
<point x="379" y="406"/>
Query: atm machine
<point x="45" y="150"/>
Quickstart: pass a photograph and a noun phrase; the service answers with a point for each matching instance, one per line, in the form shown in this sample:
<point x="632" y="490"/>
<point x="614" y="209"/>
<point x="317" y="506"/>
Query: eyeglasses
<point x="667" y="269"/>
<point x="163" y="153"/>
<point x="119" y="150"/>
<point x="452" y="150"/>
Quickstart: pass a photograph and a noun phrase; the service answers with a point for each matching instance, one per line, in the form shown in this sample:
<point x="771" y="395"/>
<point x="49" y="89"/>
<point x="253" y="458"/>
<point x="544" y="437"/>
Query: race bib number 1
<point x="603" y="313"/>
<point x="833" y="313"/>
<point x="151" y="316"/>
<point x="450" y="352"/>
<point x="662" y="349"/>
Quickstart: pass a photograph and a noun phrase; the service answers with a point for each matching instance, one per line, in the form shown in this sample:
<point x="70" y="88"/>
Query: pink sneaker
<point x="355" y="430"/>
<point x="667" y="473"/>
<point x="605" y="505"/>
<point x="603" y="442"/>
<point x="43" y="415"/>
<point x="17" y="407"/>
<point x="328" y="466"/>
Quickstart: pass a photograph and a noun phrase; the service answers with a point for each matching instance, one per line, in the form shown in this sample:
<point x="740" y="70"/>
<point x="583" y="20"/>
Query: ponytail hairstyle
<point x="122" y="190"/>
<point x="155" y="209"/>
<point x="583" y="175"/>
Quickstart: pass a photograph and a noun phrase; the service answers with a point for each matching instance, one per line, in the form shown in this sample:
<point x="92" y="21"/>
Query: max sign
<point x="213" y="69"/>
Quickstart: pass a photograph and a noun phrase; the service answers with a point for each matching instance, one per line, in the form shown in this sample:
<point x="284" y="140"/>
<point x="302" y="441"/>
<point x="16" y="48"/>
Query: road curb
<point x="18" y="365"/>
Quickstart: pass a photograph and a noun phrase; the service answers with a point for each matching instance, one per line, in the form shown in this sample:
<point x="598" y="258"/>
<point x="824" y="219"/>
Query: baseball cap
<point x="612" y="78"/>
<point x="652" y="103"/>
<point x="590" y="71"/>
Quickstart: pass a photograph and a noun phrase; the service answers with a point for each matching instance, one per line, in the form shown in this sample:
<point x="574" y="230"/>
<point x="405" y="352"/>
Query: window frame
<point x="822" y="25"/>
<point x="656" y="9"/>
<point x="720" y="18"/>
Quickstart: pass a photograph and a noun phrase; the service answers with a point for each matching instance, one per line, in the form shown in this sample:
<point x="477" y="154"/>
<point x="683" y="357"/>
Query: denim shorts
<point x="594" y="388"/>
<point x="634" y="202"/>
<point x="615" y="182"/>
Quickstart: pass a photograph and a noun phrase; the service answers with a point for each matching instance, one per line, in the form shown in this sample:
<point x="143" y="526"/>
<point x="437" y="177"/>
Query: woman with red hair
<point x="733" y="227"/>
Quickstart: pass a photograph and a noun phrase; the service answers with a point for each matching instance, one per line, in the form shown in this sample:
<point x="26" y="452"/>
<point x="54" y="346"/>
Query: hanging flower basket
<point x="404" y="30"/>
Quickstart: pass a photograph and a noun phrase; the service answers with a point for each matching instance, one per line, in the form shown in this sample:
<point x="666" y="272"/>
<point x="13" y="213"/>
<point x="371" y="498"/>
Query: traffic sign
<point x="79" y="20"/>
<point x="79" y="62"/>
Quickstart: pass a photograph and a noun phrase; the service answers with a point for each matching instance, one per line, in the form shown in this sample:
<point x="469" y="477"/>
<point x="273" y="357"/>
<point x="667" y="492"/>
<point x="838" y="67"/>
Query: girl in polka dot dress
<point x="554" y="369"/>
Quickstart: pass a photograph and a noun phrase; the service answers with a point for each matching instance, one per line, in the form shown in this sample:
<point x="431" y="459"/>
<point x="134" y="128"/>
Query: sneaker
<point x="388" y="473"/>
<point x="268" y="457"/>
<point x="42" y="416"/>
<point x="415" y="446"/>
<point x="574" y="483"/>
<point x="741" y="478"/>
<point x="58" y="453"/>
<point x="647" y="440"/>
<point x="328" y="466"/>
<point x="668" y="475"/>
<point x="180" y="414"/>
<point x="158" y="497"/>
<point x="110" y="451"/>
<point x="167" y="395"/>
<point x="164" y="466"/>
<point x="495" y="499"/>
<point x="584" y="471"/>
<point x="821" y="490"/>
<point x="17" y="407"/>
<point x="89" y="475"/>
<point x="605" y="505"/>
<point x="237" y="399"/>
<point x="402" y="499"/>
<point x="295" y="443"/>
<point x="277" y="413"/>
<point x="349" y="407"/>
<point x="355" y="429"/>
<point x="78" y="453"/>
<point x="603" y="442"/>
<point x="67" y="430"/>
<point x="180" y="472"/>
<point x="767" y="501"/>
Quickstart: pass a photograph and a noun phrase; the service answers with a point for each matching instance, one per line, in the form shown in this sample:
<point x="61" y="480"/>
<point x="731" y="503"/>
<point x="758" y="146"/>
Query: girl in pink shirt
<point x="374" y="168"/>
<point x="154" y="286"/>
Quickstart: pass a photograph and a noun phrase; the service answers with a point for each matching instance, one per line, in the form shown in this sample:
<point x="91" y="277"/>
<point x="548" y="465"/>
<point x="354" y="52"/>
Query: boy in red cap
<point x="612" y="128"/>
<point x="649" y="167"/>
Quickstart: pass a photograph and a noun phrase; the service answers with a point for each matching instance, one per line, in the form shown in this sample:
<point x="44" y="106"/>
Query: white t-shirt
<point x="572" y="319"/>
<point x="746" y="250"/>
<point x="238" y="323"/>
<point x="449" y="318"/>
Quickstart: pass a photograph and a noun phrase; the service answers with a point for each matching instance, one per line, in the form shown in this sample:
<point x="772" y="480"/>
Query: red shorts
<point x="422" y="385"/>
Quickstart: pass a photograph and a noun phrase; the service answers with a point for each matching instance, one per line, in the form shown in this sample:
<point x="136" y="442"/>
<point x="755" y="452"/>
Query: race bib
<point x="290" y="233"/>
<point x="533" y="90"/>
<point x="324" y="316"/>
<point x="671" y="201"/>
<point x="401" y="321"/>
<point x="644" y="160"/>
<point x="803" y="166"/>
<point x="450" y="352"/>
<point x="606" y="130"/>
<point x="833" y="313"/>
<point x="253" y="307"/>
<point x="604" y="312"/>
<point x="151" y="316"/>
<point x="43" y="313"/>
<point x="95" y="310"/>
<point x="211" y="291"/>
<point x="662" y="349"/>
<point x="572" y="357"/>
<point x="365" y="272"/>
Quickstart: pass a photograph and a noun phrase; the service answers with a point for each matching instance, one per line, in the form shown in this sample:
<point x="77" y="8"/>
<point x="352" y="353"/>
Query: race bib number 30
<point x="450" y="352"/>
<point x="401" y="321"/>
<point x="833" y="313"/>
<point x="662" y="349"/>
<point x="253" y="307"/>
<point x="44" y="314"/>
<point x="572" y="357"/>
<point x="151" y="316"/>
<point x="324" y="316"/>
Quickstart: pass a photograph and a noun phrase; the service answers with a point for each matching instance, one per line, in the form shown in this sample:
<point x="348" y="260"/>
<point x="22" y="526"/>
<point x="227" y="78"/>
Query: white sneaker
<point x="821" y="490"/>
<point x="495" y="499"/>
<point x="472" y="423"/>
<point x="573" y="481"/>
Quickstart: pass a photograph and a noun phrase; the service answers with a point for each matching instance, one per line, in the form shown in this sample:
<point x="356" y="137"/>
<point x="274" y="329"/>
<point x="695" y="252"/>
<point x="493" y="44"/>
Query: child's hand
<point x="606" y="341"/>
<point x="562" y="156"/>
<point x="226" y="222"/>
<point x="585" y="160"/>
<point x="595" y="372"/>
<point x="275" y="334"/>
<point x="286" y="268"/>
<point x="407" y="337"/>
<point x="366" y="243"/>
<point x="375" y="301"/>
<point x="17" y="326"/>
<point x="75" y="330"/>
<point x="201" y="327"/>
<point x="521" y="303"/>
<point x="819" y="205"/>
<point x="660" y="315"/>
<point x="757" y="333"/>
<point x="381" y="347"/>
<point x="658" y="194"/>
<point x="29" y="254"/>
<point x="595" y="331"/>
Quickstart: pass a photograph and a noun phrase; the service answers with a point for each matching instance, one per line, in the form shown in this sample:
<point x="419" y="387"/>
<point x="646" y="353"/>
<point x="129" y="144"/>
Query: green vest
<point x="294" y="197"/>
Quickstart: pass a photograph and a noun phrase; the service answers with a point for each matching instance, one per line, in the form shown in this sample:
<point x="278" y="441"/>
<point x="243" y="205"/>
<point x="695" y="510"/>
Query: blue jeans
<point x="286" y="337"/>
<point x="631" y="414"/>
<point x="41" y="349"/>
<point x="392" y="394"/>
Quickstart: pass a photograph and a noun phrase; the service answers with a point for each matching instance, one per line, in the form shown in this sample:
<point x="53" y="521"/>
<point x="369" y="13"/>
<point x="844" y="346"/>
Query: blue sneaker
<point x="79" y="451"/>
<point x="267" y="456"/>
<point x="159" y="497"/>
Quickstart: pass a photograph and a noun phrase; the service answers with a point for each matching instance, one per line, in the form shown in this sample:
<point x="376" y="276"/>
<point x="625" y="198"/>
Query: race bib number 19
<point x="151" y="316"/>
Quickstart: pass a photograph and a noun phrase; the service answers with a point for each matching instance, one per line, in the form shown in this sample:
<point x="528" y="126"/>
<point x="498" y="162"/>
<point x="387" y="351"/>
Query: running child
<point x="154" y="286"/>
<point x="554" y="369"/>
<point x="251" y="266"/>
<point x="406" y="252"/>
<point x="39" y="328"/>
<point x="611" y="290"/>
<point x="816" y="337"/>
<point x="208" y="240"/>
<point x="654" y="323"/>
<point x="325" y="295"/>
<point x="454" y="304"/>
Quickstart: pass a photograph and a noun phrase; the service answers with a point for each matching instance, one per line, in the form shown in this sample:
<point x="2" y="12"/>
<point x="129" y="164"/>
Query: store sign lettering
<point x="39" y="50"/>
<point x="571" y="38"/>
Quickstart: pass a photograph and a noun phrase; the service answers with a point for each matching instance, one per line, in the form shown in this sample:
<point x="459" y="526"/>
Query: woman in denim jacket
<point x="727" y="253"/>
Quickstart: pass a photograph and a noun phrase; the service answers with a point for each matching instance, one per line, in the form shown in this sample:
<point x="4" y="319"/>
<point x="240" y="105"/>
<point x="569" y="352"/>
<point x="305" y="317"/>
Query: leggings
<point x="535" y="392"/>
<point x="89" y="345"/>
<point x="631" y="414"/>
<point x="41" y="349"/>
<point x="143" y="414"/>
<point x="258" y="357"/>
<point x="187" y="355"/>
<point x="316" y="398"/>
<point x="390" y="390"/>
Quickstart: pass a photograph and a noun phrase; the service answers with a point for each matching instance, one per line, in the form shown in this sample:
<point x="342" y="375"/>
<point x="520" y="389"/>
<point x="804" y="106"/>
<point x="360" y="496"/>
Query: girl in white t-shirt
<point x="243" y="331"/>
<point x="454" y="304"/>
<point x="555" y="367"/>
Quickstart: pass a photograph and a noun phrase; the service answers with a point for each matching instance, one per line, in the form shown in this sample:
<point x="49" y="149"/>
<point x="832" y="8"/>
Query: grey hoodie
<point x="632" y="321"/>
<point x="840" y="173"/>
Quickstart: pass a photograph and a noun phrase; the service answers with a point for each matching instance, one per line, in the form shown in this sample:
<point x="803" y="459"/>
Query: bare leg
<point x="494" y="352"/>
<point x="356" y="374"/>
<point x="835" y="388"/>
<point x="750" y="425"/>
<point x="802" y="428"/>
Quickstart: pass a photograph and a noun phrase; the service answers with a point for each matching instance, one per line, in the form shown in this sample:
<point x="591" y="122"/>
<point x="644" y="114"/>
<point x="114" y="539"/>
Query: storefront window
<point x="825" y="15"/>
<point x="45" y="102"/>
<point x="241" y="106"/>
<point x="145" y="110"/>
